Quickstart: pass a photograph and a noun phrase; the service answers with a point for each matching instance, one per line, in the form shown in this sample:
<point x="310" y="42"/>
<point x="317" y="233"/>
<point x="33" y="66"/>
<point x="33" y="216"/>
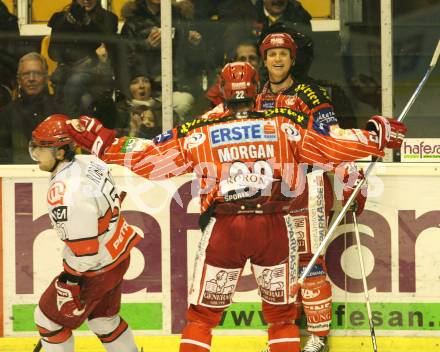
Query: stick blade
<point x="436" y="55"/>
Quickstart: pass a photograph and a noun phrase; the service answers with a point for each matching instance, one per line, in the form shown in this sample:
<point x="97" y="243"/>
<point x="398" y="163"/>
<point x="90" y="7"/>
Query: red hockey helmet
<point x="278" y="40"/>
<point x="52" y="132"/>
<point x="239" y="82"/>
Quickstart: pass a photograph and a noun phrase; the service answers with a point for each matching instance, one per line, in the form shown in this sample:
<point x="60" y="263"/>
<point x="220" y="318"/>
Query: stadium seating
<point x="115" y="7"/>
<point x="10" y="5"/>
<point x="42" y="10"/>
<point x="318" y="8"/>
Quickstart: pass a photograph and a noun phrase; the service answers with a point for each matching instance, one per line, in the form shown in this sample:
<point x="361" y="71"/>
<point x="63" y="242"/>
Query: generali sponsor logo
<point x="420" y="150"/>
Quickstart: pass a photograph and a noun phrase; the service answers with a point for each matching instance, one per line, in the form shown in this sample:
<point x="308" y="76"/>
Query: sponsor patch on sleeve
<point x="323" y="119"/>
<point x="163" y="137"/>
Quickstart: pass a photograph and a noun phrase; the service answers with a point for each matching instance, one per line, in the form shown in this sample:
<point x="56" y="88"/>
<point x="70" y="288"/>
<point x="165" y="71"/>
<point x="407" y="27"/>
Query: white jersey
<point x="84" y="208"/>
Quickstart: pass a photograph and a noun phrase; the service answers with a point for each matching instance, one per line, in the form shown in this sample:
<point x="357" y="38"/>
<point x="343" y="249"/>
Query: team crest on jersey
<point x="290" y="100"/>
<point x="194" y="140"/>
<point x="249" y="131"/>
<point x="55" y="195"/>
<point x="291" y="132"/>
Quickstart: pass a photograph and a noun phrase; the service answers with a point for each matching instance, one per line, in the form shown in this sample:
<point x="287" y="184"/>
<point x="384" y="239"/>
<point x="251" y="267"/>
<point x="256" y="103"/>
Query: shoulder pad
<point x="312" y="95"/>
<point x="186" y="127"/>
<point x="297" y="117"/>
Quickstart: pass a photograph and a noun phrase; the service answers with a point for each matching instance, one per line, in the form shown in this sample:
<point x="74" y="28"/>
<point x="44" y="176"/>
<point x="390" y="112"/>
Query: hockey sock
<point x="124" y="343"/>
<point x="283" y="337"/>
<point x="196" y="337"/>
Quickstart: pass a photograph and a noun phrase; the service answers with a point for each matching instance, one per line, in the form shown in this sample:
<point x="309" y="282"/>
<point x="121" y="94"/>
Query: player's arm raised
<point x="351" y="144"/>
<point x="159" y="158"/>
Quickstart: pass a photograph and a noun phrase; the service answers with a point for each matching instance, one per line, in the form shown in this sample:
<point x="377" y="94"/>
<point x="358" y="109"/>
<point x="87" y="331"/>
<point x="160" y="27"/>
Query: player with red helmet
<point x="239" y="82"/>
<point x="249" y="176"/>
<point x="278" y="50"/>
<point x="84" y="209"/>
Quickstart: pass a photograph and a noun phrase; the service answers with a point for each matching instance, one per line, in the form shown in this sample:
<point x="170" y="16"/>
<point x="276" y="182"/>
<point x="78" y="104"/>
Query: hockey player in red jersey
<point x="249" y="173"/>
<point x="278" y="50"/>
<point x="84" y="209"/>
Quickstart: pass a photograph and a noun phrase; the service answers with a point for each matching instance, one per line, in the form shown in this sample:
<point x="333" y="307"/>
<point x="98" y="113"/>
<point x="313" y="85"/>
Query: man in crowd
<point x="21" y="116"/>
<point x="245" y="51"/>
<point x="247" y="165"/>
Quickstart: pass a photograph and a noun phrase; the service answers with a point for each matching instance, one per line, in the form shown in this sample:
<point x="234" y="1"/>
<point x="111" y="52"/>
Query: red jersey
<point x="241" y="156"/>
<point x="310" y="99"/>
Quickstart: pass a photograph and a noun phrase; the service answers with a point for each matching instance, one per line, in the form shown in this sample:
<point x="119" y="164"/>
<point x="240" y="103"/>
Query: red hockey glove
<point x="90" y="134"/>
<point x="68" y="301"/>
<point x="390" y="132"/>
<point x="350" y="183"/>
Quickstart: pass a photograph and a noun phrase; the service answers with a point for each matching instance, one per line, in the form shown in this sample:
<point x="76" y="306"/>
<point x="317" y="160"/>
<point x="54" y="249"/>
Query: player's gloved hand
<point x="390" y="132"/>
<point x="350" y="183"/>
<point x="68" y="301"/>
<point x="90" y="134"/>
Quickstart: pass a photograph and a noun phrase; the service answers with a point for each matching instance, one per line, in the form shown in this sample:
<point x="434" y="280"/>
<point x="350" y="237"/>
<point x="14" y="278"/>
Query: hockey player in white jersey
<point x="84" y="209"/>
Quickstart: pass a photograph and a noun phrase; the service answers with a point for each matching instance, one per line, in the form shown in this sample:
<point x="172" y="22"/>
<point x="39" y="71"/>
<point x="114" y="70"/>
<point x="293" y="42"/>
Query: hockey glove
<point x="90" y="134"/>
<point x="350" y="183"/>
<point x="390" y="132"/>
<point x="68" y="301"/>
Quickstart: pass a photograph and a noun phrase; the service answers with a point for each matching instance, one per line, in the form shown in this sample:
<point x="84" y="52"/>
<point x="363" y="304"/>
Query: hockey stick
<point x="358" y="187"/>
<point x="38" y="346"/>
<point x="364" y="283"/>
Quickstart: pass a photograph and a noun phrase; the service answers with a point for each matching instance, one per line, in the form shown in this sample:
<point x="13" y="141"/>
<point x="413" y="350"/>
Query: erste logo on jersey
<point x="56" y="192"/>
<point x="249" y="131"/>
<point x="291" y="132"/>
<point x="194" y="140"/>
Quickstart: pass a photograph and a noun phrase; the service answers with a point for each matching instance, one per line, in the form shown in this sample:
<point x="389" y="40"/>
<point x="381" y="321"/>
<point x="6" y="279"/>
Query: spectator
<point x="82" y="42"/>
<point x="143" y="34"/>
<point x="289" y="12"/>
<point x="9" y="53"/>
<point x="223" y="23"/>
<point x="21" y="116"/>
<point x="140" y="115"/>
<point x="246" y="51"/>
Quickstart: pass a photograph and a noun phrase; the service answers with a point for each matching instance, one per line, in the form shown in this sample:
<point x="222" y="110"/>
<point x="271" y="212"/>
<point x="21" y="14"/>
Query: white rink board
<point x="400" y="229"/>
